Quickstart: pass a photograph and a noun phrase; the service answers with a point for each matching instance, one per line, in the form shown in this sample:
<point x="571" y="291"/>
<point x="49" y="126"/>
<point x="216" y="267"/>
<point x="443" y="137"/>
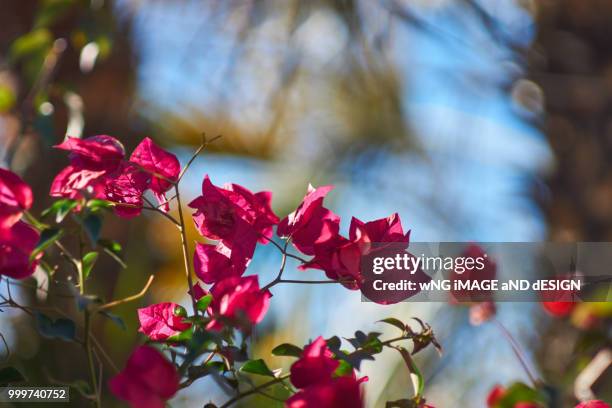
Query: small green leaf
<point x="93" y="225"/>
<point x="10" y="375"/>
<point x="113" y="249"/>
<point x="183" y="336"/>
<point x="47" y="238"/>
<point x="89" y="260"/>
<point x="7" y="98"/>
<point x="394" y="322"/>
<point x="61" y="328"/>
<point x="519" y="392"/>
<point x="60" y="209"/>
<point x="36" y="41"/>
<point x="96" y="205"/>
<point x="257" y="367"/>
<point x="343" y="369"/>
<point x="204" y="302"/>
<point x="115" y="319"/>
<point x="416" y="377"/>
<point x="334" y="343"/>
<point x="288" y="350"/>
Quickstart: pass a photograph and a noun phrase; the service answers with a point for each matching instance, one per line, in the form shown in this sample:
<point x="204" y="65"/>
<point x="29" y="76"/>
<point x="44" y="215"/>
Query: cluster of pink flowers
<point x="98" y="169"/>
<point x="17" y="239"/>
<point x="313" y="375"/>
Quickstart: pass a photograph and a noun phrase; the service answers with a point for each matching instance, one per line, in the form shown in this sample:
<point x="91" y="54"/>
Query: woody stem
<point x="185" y="247"/>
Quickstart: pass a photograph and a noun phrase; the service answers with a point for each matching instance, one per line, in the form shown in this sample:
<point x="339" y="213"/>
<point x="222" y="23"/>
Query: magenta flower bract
<point x="15" y="198"/>
<point x="161" y="321"/>
<point x="16" y="244"/>
<point x="237" y="300"/>
<point x="310" y="224"/>
<point x="147" y="381"/>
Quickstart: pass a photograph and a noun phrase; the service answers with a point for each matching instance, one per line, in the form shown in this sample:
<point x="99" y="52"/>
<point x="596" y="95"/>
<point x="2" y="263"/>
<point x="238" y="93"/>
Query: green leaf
<point x="418" y="383"/>
<point x="60" y="209"/>
<point x="204" y="302"/>
<point x="47" y="238"/>
<point x="288" y="350"/>
<point x="10" y="375"/>
<point x="61" y="328"/>
<point x="334" y="343"/>
<point x="7" y="98"/>
<point x="343" y="369"/>
<point x="183" y="336"/>
<point x="257" y="367"/>
<point x="36" y="41"/>
<point x="93" y="225"/>
<point x="115" y="319"/>
<point x="394" y="322"/>
<point x="96" y="205"/>
<point x="89" y="260"/>
<point x="113" y="249"/>
<point x="519" y="392"/>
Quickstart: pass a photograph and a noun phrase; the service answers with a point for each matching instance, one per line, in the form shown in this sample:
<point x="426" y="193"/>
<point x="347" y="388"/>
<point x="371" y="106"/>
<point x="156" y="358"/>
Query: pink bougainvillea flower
<point x="147" y="381"/>
<point x="559" y="303"/>
<point x="341" y="392"/>
<point x="593" y="404"/>
<point x="15" y="198"/>
<point x="163" y="166"/>
<point x="91" y="161"/>
<point x="316" y="364"/>
<point x="72" y="181"/>
<point x="558" y="309"/>
<point x="482" y="312"/>
<point x="310" y="224"/>
<point x="16" y="245"/>
<point x="495" y="395"/>
<point x="340" y="258"/>
<point x="126" y="187"/>
<point x="314" y="375"/>
<point x="523" y="404"/>
<point x="234" y="214"/>
<point x="238" y="300"/>
<point x="162" y="320"/>
<point x="100" y="152"/>
<point x="213" y="263"/>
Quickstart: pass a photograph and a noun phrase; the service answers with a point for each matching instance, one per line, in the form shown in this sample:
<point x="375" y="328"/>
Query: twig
<point x="517" y="351"/>
<point x="203" y="146"/>
<point x="254" y="390"/>
<point x="185" y="247"/>
<point x="129" y="298"/>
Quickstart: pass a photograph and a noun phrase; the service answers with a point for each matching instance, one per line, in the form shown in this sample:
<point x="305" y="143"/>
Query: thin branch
<point x="185" y="247"/>
<point x="199" y="150"/>
<point x="129" y="298"/>
<point x="254" y="390"/>
<point x="517" y="351"/>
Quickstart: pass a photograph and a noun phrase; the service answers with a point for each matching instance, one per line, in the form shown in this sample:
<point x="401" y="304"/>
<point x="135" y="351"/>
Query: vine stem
<point x="517" y="351"/>
<point x="185" y="247"/>
<point x="254" y="390"/>
<point x="90" y="362"/>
